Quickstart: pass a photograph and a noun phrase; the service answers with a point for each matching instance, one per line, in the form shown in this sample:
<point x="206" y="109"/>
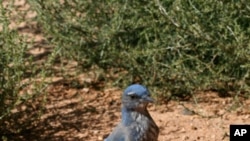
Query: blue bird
<point x="136" y="123"/>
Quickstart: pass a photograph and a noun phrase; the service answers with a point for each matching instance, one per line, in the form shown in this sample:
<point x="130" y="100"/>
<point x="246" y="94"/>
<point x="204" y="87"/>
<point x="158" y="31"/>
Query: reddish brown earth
<point x="89" y="113"/>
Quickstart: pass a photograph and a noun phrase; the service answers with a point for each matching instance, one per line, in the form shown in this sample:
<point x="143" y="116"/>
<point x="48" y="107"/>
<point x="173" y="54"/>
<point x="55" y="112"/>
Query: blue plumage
<point x="136" y="123"/>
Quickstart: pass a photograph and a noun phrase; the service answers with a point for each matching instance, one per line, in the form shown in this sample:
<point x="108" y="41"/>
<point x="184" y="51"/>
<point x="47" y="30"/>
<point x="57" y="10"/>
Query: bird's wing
<point x="118" y="134"/>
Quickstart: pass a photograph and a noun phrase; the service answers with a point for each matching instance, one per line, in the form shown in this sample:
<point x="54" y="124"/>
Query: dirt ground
<point x="73" y="114"/>
<point x="90" y="113"/>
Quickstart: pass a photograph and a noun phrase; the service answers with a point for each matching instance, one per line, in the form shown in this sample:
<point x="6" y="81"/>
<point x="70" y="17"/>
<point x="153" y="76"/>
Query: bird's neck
<point x="130" y="115"/>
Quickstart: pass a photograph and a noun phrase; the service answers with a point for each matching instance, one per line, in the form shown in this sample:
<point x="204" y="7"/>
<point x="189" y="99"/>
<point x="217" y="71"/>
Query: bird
<point x="136" y="123"/>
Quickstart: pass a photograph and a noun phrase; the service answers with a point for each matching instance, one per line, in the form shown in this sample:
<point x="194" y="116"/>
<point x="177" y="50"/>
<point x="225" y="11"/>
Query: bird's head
<point x="136" y="97"/>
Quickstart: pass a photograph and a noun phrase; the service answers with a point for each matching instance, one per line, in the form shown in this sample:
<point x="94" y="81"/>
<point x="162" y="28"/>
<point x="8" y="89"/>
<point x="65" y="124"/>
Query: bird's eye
<point x="133" y="96"/>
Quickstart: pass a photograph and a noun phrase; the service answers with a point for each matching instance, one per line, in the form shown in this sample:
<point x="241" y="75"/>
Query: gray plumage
<point x="136" y="123"/>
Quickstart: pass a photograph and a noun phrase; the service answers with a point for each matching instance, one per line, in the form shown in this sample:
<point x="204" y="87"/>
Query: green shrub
<point x="17" y="70"/>
<point x="174" y="46"/>
<point x="12" y="68"/>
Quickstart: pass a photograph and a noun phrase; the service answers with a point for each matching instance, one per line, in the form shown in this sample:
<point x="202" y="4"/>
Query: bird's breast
<point x="144" y="127"/>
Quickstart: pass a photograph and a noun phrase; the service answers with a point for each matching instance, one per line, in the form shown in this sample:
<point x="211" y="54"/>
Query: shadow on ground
<point x="63" y="114"/>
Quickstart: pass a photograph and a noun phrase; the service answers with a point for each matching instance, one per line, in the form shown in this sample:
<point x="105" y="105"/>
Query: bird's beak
<point x="148" y="99"/>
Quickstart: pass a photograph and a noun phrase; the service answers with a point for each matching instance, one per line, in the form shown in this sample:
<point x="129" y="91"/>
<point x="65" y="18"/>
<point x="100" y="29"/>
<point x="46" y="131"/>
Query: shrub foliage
<point x="176" y="46"/>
